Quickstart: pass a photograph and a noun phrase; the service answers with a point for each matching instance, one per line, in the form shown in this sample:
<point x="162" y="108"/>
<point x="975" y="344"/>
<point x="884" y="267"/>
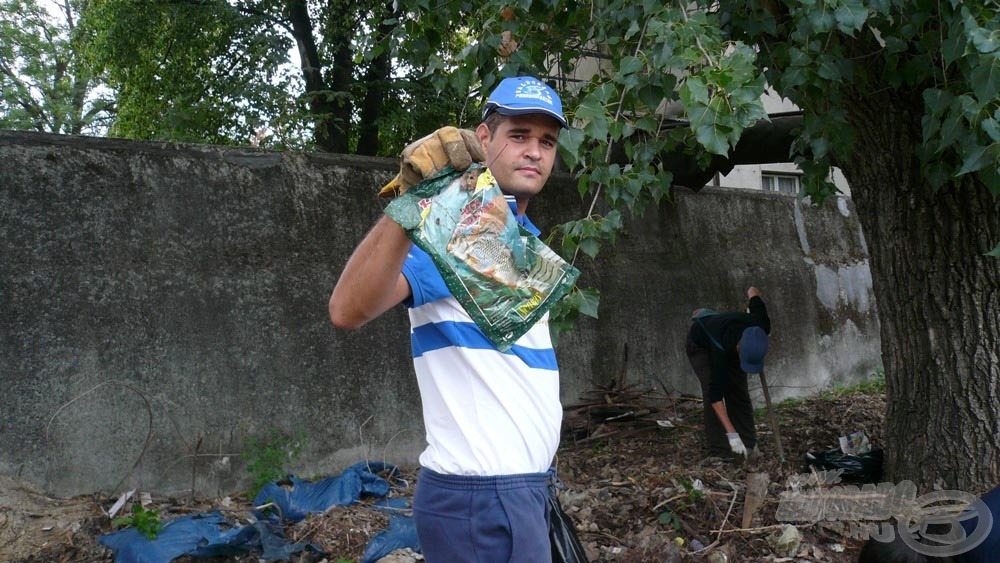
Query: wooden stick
<point x="752" y="530"/>
<point x="756" y="492"/>
<point x="725" y="518"/>
<point x="770" y="415"/>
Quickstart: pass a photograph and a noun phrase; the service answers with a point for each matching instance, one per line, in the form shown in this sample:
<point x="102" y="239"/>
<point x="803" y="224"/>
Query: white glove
<point x="736" y="444"/>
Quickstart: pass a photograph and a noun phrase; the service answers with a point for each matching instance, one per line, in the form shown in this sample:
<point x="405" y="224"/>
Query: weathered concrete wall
<point x="154" y="296"/>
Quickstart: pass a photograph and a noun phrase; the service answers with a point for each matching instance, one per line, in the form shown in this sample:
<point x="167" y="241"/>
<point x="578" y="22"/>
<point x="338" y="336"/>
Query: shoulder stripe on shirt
<point x="434" y="336"/>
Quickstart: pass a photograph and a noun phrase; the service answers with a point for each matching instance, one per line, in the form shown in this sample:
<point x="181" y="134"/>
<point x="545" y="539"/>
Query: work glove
<point x="736" y="444"/>
<point x="425" y="157"/>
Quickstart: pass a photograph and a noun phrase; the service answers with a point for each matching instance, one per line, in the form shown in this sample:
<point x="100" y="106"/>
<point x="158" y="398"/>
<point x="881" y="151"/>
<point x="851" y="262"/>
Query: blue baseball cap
<point x="753" y="348"/>
<point x="523" y="95"/>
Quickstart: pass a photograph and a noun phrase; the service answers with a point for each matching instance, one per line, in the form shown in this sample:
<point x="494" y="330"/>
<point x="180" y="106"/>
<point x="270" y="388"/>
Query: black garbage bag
<point x="566" y="546"/>
<point x="860" y="468"/>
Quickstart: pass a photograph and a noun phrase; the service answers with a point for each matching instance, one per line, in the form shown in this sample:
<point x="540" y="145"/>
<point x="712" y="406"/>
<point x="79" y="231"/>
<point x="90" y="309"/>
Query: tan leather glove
<point x="429" y="155"/>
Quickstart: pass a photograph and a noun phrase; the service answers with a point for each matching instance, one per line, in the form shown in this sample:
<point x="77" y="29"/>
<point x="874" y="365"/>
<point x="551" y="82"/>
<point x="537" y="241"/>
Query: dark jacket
<point x="719" y="334"/>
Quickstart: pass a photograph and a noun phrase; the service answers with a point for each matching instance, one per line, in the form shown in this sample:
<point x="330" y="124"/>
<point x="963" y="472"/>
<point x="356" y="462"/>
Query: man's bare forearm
<point x="371" y="282"/>
<point x="720" y="411"/>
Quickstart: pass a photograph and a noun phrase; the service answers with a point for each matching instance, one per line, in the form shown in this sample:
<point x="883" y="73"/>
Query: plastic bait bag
<point x="504" y="277"/>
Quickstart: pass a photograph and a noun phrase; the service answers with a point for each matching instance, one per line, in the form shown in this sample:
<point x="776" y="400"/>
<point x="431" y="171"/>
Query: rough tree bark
<point x="331" y="134"/>
<point x="939" y="303"/>
<point x="376" y="81"/>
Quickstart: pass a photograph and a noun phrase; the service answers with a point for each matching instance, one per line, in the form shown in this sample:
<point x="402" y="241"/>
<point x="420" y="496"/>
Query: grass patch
<point x="873" y="385"/>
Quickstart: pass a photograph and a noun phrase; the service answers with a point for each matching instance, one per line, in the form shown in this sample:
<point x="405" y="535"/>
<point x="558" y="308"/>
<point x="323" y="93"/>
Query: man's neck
<point x="520" y="204"/>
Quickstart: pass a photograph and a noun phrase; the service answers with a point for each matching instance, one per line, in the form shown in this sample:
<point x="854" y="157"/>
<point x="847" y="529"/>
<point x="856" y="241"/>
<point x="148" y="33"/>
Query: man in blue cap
<point x="492" y="418"/>
<point x="723" y="348"/>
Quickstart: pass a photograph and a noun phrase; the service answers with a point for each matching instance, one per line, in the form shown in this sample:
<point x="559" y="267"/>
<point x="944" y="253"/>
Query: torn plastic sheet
<point x="209" y="534"/>
<point x="205" y="534"/>
<point x="401" y="533"/>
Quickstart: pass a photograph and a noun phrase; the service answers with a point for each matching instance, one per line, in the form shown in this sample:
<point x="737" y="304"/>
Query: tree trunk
<point x="376" y="80"/>
<point x="939" y="304"/>
<point x="331" y="132"/>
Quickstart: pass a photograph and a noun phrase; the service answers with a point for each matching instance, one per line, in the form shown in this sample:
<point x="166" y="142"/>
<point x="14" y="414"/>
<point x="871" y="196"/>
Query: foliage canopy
<point x="45" y="86"/>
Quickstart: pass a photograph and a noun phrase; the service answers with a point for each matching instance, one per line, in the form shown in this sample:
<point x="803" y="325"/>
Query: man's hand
<point x="429" y="155"/>
<point x="736" y="444"/>
<point x="753" y="292"/>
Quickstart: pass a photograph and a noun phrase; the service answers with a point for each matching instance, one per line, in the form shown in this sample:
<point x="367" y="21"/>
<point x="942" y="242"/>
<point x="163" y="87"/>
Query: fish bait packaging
<point x="504" y="277"/>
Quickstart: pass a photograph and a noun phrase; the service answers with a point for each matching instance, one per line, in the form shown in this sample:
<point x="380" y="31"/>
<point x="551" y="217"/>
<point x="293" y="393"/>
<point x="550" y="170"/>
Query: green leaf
<point x="632" y="30"/>
<point x="631" y="65"/>
<point x="985" y="80"/>
<point x="583" y="185"/>
<point x="588" y="301"/>
<point x="976" y="159"/>
<point x="951" y="130"/>
<point x="821" y="20"/>
<point x="694" y="91"/>
<point x="650" y="96"/>
<point x="713" y="139"/>
<point x="570" y="141"/>
<point x="992" y="129"/>
<point x="937" y="100"/>
<point x="995" y="252"/>
<point x="851" y="17"/>
<point x="985" y="40"/>
<point x="829" y="69"/>
<point x="590" y="108"/>
<point x="953" y="47"/>
<point x="597" y="128"/>
<point x="590" y="246"/>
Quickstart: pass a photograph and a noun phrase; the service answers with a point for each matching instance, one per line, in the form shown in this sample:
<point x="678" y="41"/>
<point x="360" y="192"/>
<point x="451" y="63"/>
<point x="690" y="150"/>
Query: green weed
<point x="268" y="457"/>
<point x="146" y="522"/>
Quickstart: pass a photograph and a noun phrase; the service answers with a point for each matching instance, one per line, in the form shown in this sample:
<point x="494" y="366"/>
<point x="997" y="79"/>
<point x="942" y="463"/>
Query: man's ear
<point x="484" y="134"/>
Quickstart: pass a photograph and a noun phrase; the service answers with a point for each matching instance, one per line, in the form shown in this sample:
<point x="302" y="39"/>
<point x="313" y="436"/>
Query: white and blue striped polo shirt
<point x="486" y="412"/>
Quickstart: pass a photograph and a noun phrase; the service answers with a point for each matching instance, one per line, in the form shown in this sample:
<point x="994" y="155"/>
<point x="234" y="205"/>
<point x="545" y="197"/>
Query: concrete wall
<point x="157" y="296"/>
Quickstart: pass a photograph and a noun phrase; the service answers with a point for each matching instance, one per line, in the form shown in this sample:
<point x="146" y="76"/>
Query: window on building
<point x="782" y="184"/>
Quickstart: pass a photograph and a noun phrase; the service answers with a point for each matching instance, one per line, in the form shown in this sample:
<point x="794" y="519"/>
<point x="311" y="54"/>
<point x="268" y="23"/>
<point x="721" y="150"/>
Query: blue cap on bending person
<point x="753" y="348"/>
<point x="523" y="95"/>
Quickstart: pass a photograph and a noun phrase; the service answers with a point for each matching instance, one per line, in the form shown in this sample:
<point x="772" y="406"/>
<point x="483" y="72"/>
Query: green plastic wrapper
<point x="501" y="274"/>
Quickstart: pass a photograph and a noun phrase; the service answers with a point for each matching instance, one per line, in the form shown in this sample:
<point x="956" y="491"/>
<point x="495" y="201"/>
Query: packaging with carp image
<point x="504" y="276"/>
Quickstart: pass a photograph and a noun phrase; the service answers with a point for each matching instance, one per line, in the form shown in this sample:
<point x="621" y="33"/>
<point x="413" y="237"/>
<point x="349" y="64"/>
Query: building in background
<point x="778" y="177"/>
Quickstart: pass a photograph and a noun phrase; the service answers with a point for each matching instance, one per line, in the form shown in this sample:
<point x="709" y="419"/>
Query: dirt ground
<point x="638" y="488"/>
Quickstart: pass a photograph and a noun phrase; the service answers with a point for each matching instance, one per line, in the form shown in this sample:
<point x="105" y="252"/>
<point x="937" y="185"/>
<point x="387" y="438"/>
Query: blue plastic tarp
<point x="209" y="534"/>
<point x="304" y="497"/>
<point x="205" y="534"/>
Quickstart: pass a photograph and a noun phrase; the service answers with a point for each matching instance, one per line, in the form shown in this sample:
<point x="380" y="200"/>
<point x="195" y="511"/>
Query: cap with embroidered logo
<point x="524" y="95"/>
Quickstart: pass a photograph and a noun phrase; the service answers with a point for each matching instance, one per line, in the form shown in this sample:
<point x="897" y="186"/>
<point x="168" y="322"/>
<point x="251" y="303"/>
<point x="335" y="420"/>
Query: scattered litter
<point x="855" y="443"/>
<point x="786" y="541"/>
<point x="120" y="503"/>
